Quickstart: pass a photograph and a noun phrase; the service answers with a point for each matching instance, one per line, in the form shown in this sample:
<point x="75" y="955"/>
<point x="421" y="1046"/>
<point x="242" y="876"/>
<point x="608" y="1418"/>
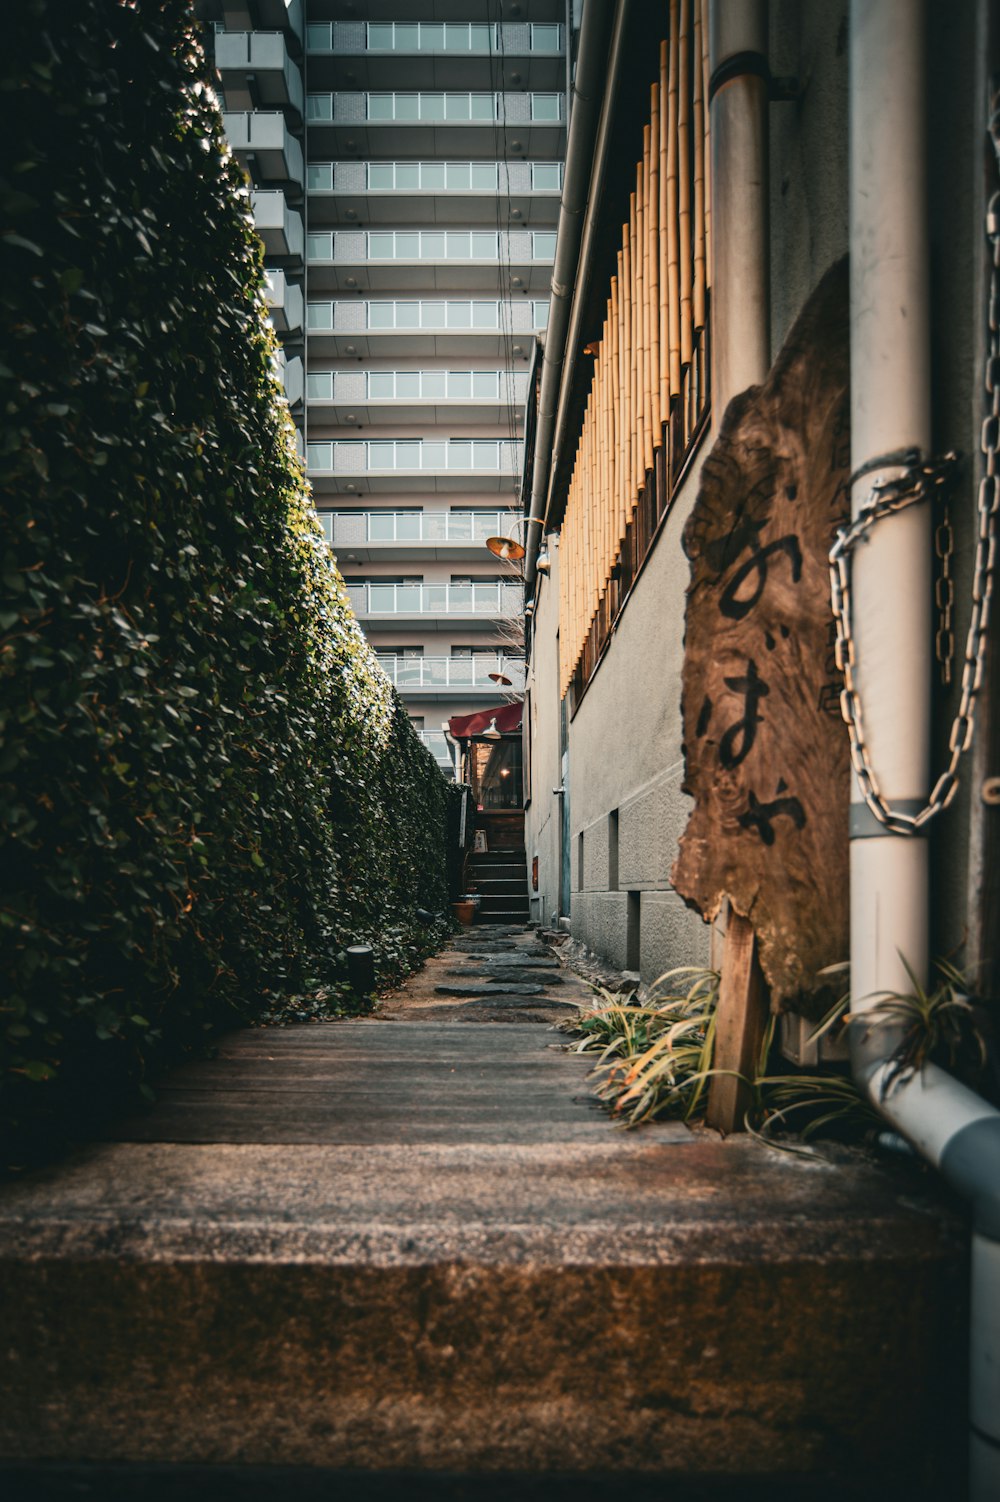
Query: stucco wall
<point x="543" y="812"/>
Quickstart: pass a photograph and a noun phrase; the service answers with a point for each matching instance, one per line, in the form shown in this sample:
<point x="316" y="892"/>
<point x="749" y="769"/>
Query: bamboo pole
<point x="629" y="373"/>
<point x="654" y="263"/>
<point x="673" y="249"/>
<point x="613" y="498"/>
<point x="622" y="398"/>
<point x="684" y="180"/>
<point x="640" y="333"/>
<point x="700" y="275"/>
<point x="647" y="311"/>
<point x="705" y="76"/>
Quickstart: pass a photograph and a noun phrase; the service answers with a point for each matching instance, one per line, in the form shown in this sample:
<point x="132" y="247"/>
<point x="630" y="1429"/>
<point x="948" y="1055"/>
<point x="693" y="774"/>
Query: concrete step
<point x="423" y="1252"/>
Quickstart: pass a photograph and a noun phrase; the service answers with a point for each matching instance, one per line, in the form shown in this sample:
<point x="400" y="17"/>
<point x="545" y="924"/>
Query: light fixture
<point x="491" y="733"/>
<point x="353" y="282"/>
<point x="529" y="609"/>
<point x="350" y="417"/>
<point x="516" y="146"/>
<point x="351" y="487"/>
<point x="515" y="281"/>
<point x="507" y="548"/>
<point x="542" y="561"/>
<point x="352" y="213"/>
<point x="505" y="771"/>
<point x="502" y="679"/>
<point x="515" y="213"/>
<point x="350" y="349"/>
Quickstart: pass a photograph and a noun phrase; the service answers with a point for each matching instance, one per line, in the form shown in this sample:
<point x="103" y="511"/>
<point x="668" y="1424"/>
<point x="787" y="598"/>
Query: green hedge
<point x="209" y="786"/>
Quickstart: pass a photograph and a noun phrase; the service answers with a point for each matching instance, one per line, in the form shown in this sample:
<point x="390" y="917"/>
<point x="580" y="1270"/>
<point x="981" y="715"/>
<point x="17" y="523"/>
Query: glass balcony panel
<point x="545" y="107"/>
<point x="380" y="245"/>
<point x="381" y="456"/>
<point x="407" y="315"/>
<point x="460" y="526"/>
<point x="432" y="106"/>
<point x="319" y="177"/>
<point x="510" y="599"/>
<point x="407" y="37"/>
<point x="460" y="671"/>
<point x="381" y="315"/>
<point x="457" y="245"/>
<point x="544" y="38"/>
<point x="407" y="107"/>
<point x="546" y="175"/>
<point x="459" y="454"/>
<point x="484" y="526"/>
<point x="380" y="177"/>
<point x="462" y="597"/>
<point x="459" y="385"/>
<point x="407" y="176"/>
<point x="319" y="107"/>
<point x="319" y="315"/>
<point x="485" y="315"/>
<point x="380" y="38"/>
<point x="484" y="598"/>
<point x="434" y="385"/>
<point x="409" y="673"/>
<point x="432" y="37"/>
<point x="381" y="526"/>
<point x="433" y="315"/>
<point x="319" y="247"/>
<point x="485" y="385"/>
<point x="407" y="245"/>
<point x="382" y="599"/>
<point x="543" y="247"/>
<point x="435" y="598"/>
<point x="319" y="455"/>
<point x="319" y="385"/>
<point x="484" y="456"/>
<point x="483" y="106"/>
<point x="435" y="672"/>
<point x="541" y="314"/>
<point x="381" y="106"/>
<point x="407" y="455"/>
<point x="435" y="455"/>
<point x="432" y="246"/>
<point x="435" y="526"/>
<point x="319" y="38"/>
<point x="459" y="107"/>
<point x="480" y="38"/>
<point x="483" y="177"/>
<point x="358" y="597"/>
<point x="460" y="316"/>
<point x="408" y="384"/>
<point x="432" y="176"/>
<point x="381" y="385"/>
<point x="458" y="176"/>
<point x="484" y="246"/>
<point x="409" y="526"/>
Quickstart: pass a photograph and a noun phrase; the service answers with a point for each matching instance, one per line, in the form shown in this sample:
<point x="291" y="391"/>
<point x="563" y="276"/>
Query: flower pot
<point x="464" y="911"/>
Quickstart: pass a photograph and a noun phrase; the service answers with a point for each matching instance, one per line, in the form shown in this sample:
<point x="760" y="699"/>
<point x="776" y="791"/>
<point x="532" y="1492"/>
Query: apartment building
<point x="406" y="162"/>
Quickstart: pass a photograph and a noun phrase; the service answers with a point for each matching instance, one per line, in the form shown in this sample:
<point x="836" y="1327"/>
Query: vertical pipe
<point x="890" y="410"/>
<point x="739" y="280"/>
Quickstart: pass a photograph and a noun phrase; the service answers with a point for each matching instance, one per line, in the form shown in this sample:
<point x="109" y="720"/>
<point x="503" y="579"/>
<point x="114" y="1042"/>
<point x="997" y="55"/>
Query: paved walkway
<point x="376" y="1246"/>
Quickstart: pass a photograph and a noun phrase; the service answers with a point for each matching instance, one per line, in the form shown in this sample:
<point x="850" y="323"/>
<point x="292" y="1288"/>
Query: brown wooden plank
<point x="740" y="1024"/>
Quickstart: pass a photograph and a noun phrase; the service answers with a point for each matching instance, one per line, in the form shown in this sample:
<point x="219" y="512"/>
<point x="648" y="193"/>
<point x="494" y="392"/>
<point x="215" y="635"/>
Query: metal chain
<point x="918" y="480"/>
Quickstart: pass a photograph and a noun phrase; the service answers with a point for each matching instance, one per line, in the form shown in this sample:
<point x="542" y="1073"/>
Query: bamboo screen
<point x="649" y="395"/>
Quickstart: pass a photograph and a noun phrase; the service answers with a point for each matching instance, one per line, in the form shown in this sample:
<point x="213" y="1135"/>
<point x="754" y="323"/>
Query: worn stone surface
<point x="500" y="974"/>
<point x="488" y="988"/>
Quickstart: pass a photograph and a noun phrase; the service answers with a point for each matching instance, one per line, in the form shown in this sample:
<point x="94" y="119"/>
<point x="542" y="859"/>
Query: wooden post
<point x="739" y="1028"/>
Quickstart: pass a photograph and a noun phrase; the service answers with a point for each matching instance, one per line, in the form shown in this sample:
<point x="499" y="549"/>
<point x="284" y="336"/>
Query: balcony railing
<point x="374" y="456"/>
<point x="344" y="528"/>
<point x="417" y="385"/>
<point x="437" y="743"/>
<point x="435" y="315"/>
<point x="434" y="177"/>
<point x="452" y="672"/>
<point x="487" y="599"/>
<point x="449" y="37"/>
<point x="435" y="109"/>
<point x="352" y="246"/>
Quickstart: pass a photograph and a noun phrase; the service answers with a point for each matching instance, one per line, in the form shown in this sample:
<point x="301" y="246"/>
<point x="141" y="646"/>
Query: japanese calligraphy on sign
<point x="766" y="756"/>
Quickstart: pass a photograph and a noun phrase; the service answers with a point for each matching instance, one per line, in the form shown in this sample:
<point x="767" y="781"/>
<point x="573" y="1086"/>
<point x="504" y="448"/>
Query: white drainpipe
<point x="892" y="594"/>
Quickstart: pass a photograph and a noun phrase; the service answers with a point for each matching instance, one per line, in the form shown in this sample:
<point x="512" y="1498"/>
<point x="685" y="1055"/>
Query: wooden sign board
<point x="766" y="752"/>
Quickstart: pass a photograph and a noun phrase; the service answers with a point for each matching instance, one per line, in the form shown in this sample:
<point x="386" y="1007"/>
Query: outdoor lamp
<point x="502" y="679"/>
<point x="542" y="561"/>
<point x="491" y="733"/>
<point x="508" y="548"/>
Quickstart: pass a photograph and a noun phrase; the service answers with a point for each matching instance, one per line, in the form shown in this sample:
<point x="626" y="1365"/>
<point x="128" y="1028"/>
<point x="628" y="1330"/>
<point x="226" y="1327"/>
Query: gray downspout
<point x="589" y="85"/>
<point x="891" y="411"/>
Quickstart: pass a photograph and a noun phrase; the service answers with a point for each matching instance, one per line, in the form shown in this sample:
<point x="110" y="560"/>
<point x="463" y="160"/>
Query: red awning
<point x="507" y="716"/>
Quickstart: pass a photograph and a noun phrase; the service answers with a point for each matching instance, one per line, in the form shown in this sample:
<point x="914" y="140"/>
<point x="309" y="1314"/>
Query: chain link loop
<point x="918" y="479"/>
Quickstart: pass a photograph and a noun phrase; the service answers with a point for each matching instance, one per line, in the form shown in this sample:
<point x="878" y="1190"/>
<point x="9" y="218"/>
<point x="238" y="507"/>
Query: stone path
<point x="491" y="974"/>
<point x="376" y="1249"/>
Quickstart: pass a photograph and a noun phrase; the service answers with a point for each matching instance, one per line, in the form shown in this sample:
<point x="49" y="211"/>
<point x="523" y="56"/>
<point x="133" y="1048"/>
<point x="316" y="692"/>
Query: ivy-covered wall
<point x="209" y="787"/>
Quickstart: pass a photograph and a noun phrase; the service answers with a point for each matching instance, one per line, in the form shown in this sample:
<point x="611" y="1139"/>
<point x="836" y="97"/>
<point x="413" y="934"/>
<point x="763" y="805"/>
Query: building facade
<point x="406" y="164"/>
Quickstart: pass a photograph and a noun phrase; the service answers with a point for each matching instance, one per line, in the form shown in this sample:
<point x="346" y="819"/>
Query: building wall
<point x="543" y="809"/>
